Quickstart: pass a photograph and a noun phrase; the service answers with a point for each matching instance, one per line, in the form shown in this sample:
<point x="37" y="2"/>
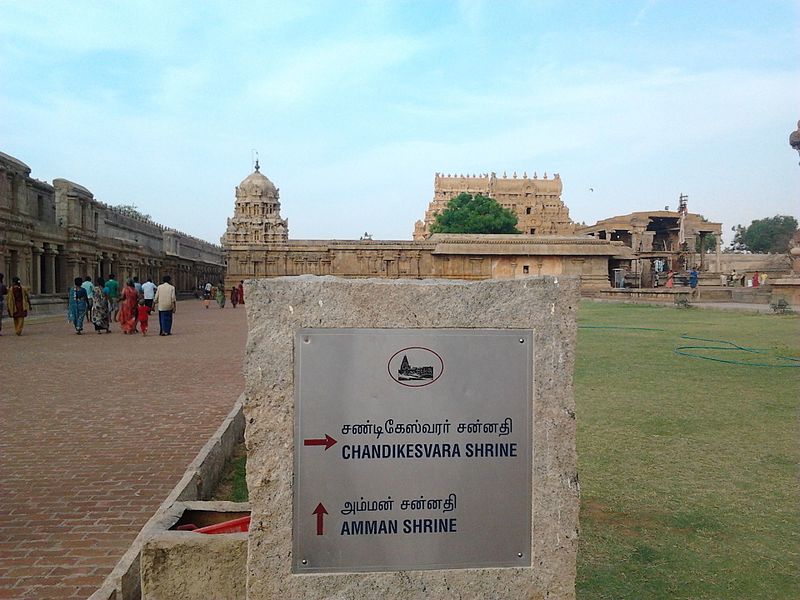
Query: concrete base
<point x="183" y="565"/>
<point x="760" y="295"/>
<point x="787" y="289"/>
<point x="48" y="305"/>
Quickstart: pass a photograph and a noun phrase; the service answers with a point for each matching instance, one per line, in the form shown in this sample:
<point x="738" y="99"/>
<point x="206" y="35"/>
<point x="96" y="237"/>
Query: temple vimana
<point x="257" y="242"/>
<point x="52" y="233"/>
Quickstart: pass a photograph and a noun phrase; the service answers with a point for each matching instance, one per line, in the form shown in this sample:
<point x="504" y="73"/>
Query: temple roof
<point x="257" y="184"/>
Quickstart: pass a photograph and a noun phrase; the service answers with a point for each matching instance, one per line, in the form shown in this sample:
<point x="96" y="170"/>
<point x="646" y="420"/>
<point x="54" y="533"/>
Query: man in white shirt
<point x="89" y="287"/>
<point x="149" y="293"/>
<point x="166" y="302"/>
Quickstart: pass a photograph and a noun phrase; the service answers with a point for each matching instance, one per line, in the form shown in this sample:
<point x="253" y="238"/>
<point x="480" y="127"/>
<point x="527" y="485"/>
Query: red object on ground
<point x="235" y="526"/>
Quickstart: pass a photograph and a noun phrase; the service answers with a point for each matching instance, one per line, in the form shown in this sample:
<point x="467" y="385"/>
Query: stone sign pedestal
<point x="411" y="439"/>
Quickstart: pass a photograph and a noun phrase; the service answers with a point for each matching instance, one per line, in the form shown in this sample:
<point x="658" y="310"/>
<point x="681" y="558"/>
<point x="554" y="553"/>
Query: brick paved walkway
<point x="95" y="430"/>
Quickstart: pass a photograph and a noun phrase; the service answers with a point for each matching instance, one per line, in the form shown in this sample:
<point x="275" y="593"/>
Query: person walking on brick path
<point x="166" y="303"/>
<point x="113" y="295"/>
<point x="3" y="292"/>
<point x="101" y="307"/>
<point x="221" y="295"/>
<point x="18" y="303"/>
<point x="89" y="287"/>
<point x="234" y="296"/>
<point x="241" y="291"/>
<point x="144" y="316"/>
<point x="78" y="302"/>
<point x="127" y="308"/>
<point x="138" y="287"/>
<point x="207" y="294"/>
<point x="149" y="293"/>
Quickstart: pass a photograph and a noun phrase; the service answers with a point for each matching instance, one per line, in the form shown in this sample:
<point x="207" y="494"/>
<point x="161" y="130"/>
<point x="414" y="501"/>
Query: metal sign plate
<point x="412" y="450"/>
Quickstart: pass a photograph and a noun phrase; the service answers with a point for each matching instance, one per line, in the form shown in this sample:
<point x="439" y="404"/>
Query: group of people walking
<point x="217" y="292"/>
<point x="101" y="302"/>
<point x="104" y="301"/>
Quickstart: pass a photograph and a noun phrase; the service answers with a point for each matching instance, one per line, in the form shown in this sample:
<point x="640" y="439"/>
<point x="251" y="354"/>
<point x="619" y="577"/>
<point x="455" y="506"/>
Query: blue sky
<point x="353" y="106"/>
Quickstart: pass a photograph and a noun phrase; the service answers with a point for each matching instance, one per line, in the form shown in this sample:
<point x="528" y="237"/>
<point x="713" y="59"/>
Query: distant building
<point x="672" y="237"/>
<point x="257" y="245"/>
<point x="50" y="234"/>
<point x="536" y="202"/>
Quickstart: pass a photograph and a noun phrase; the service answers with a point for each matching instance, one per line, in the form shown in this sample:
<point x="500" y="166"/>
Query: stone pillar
<point x="50" y="286"/>
<point x="702" y="251"/>
<point x="13" y="264"/>
<point x="717" y="251"/>
<point x="74" y="269"/>
<point x="36" y="270"/>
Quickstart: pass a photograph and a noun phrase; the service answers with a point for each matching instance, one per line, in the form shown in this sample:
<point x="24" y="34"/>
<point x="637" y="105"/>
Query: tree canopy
<point x="131" y="210"/>
<point x="772" y="234"/>
<point x="474" y="214"/>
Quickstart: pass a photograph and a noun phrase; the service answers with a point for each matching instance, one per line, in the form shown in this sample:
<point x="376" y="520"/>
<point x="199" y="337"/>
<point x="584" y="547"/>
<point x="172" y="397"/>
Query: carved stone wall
<point x="257" y="243"/>
<point x="536" y="202"/>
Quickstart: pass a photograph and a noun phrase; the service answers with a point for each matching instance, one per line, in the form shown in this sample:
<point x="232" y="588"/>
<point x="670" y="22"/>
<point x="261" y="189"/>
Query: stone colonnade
<point x="48" y="269"/>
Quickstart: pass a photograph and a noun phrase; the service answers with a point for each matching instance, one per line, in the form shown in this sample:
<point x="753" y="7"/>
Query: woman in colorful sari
<point x="127" y="308"/>
<point x="101" y="307"/>
<point x="221" y="295"/>
<point x="77" y="305"/>
<point x="18" y="303"/>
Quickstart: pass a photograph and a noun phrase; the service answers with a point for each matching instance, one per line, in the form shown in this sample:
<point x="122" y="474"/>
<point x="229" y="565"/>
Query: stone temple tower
<point x="256" y="218"/>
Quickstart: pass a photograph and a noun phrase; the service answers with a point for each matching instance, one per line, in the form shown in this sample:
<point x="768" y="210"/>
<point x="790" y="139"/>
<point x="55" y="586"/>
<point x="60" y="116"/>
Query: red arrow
<point x="327" y="441"/>
<point x="319" y="511"/>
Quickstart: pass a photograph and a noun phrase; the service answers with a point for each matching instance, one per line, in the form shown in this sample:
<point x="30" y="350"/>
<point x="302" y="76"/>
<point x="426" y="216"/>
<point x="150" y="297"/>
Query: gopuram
<point x="50" y="234"/>
<point x="257" y="244"/>
<point x="536" y="202"/>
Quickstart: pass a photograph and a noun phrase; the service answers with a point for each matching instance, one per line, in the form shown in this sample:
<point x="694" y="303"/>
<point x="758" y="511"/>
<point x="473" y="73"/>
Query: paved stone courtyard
<point x="95" y="430"/>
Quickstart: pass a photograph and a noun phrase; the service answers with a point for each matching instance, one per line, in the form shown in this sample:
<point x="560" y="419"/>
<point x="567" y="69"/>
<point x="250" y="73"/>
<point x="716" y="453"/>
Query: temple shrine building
<point x="257" y="242"/>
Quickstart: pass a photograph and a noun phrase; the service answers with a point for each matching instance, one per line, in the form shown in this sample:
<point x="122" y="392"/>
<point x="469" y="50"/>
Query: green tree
<point x="474" y="214"/>
<point x="131" y="210"/>
<point x="710" y="243"/>
<point x="772" y="234"/>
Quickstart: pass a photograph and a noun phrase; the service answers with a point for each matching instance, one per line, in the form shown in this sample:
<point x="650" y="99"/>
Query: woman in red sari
<point x="127" y="308"/>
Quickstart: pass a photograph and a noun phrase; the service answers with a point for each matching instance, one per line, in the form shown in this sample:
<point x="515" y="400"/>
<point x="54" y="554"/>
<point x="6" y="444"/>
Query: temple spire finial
<point x="254" y="156"/>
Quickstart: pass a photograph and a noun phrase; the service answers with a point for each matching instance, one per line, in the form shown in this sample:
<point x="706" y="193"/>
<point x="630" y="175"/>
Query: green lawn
<point x="688" y="467"/>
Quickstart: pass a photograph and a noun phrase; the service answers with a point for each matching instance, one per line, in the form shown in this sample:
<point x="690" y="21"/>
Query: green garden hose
<point x="694" y="351"/>
<point x="682" y="350"/>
